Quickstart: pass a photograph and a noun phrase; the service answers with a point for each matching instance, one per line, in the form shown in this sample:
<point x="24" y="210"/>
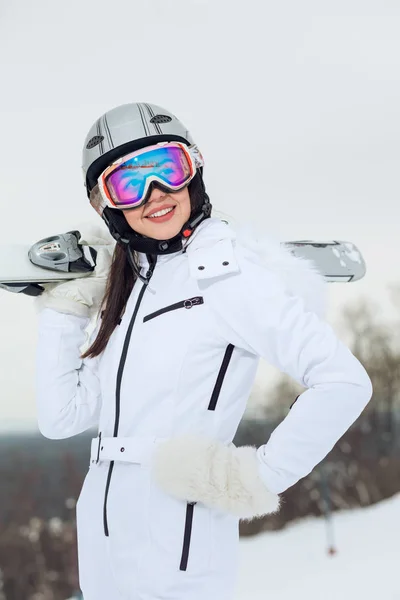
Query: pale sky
<point x="307" y="93"/>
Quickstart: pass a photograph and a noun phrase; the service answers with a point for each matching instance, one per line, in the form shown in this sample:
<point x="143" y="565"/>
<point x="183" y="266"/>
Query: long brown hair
<point x="121" y="280"/>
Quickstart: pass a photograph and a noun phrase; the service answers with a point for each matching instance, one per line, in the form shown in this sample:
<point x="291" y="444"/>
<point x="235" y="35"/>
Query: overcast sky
<point x="307" y="93"/>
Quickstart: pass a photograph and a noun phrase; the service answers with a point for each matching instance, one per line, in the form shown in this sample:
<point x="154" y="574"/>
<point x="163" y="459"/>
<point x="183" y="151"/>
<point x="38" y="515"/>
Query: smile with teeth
<point x="161" y="213"/>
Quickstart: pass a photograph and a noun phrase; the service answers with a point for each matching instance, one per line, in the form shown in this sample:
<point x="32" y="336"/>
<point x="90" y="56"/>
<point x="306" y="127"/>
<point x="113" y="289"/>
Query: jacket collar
<point x="209" y="231"/>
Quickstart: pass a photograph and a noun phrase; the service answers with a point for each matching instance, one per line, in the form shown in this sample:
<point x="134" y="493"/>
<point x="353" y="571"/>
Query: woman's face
<point x="175" y="208"/>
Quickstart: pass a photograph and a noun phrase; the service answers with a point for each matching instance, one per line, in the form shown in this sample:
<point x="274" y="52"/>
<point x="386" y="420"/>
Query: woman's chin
<point x="159" y="232"/>
<point x="163" y="231"/>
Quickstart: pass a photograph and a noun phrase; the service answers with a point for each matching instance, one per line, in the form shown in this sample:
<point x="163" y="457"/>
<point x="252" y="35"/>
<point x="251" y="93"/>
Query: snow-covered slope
<point x="293" y="564"/>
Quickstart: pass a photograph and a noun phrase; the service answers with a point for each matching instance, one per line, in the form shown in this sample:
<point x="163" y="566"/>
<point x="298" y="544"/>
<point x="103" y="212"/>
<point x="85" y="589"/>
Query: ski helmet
<point x="122" y="130"/>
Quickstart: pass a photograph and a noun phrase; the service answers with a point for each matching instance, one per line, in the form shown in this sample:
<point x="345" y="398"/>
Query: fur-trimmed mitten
<point x="197" y="469"/>
<point x="81" y="296"/>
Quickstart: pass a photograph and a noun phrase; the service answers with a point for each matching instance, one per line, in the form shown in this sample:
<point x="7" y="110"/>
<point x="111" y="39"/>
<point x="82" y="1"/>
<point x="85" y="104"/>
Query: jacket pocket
<point x="220" y="377"/>
<point x="189" y="303"/>
<point x="187" y="536"/>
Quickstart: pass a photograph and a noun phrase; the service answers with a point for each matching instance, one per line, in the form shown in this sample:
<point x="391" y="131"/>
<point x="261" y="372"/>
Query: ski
<point x="58" y="258"/>
<point x="338" y="261"/>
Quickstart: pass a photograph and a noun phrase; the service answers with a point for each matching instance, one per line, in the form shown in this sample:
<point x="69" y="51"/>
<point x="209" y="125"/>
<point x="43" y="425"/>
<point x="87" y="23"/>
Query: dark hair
<point x="121" y="280"/>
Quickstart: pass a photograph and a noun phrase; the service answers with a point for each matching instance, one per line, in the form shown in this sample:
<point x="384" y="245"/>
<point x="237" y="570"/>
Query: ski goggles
<point x="126" y="182"/>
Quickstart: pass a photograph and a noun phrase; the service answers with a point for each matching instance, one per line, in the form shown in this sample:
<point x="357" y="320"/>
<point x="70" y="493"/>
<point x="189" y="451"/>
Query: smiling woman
<point x="184" y="314"/>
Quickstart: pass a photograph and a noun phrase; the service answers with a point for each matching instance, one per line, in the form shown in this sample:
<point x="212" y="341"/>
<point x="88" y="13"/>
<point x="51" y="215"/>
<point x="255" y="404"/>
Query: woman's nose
<point x="156" y="195"/>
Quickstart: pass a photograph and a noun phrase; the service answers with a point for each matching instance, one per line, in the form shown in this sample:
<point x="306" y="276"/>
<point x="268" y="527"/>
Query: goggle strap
<point x="197" y="156"/>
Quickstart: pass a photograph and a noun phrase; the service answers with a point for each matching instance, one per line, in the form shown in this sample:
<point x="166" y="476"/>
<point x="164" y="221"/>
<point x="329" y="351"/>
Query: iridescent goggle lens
<point x="126" y="183"/>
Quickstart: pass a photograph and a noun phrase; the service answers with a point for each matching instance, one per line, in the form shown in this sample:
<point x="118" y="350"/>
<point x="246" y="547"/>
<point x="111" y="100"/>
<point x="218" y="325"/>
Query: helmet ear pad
<point x="117" y="224"/>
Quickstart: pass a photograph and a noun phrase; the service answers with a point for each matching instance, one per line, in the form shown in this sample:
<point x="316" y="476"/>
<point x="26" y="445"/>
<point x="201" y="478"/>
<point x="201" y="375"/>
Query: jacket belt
<point x="137" y="450"/>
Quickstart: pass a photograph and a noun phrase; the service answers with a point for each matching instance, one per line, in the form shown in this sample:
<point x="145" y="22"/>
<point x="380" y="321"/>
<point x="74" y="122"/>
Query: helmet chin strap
<point x="152" y="263"/>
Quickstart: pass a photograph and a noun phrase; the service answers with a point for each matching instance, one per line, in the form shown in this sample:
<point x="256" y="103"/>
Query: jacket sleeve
<point x="254" y="311"/>
<point x="68" y="397"/>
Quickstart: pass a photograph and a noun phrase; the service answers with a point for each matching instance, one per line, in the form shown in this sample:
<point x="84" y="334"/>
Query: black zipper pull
<point x="193" y="301"/>
<point x="197" y="300"/>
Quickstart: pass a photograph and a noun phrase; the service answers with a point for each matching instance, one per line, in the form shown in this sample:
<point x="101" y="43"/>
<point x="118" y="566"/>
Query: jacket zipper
<point x="220" y="378"/>
<point x="118" y="391"/>
<point x="183" y="304"/>
<point x="187" y="536"/>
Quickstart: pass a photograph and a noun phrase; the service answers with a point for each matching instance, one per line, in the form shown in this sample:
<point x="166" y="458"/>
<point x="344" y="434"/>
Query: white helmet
<point x="124" y="129"/>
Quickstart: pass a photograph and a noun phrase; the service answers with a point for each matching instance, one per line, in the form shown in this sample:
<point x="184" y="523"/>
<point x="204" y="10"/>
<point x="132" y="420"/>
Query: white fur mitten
<point x="197" y="469"/>
<point x="81" y="296"/>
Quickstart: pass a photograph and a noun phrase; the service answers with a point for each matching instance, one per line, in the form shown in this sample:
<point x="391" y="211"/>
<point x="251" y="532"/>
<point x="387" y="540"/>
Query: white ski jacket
<point x="182" y="362"/>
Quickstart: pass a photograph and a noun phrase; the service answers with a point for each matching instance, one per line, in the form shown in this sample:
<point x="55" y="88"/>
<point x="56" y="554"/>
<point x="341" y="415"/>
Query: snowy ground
<point x="293" y="564"/>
